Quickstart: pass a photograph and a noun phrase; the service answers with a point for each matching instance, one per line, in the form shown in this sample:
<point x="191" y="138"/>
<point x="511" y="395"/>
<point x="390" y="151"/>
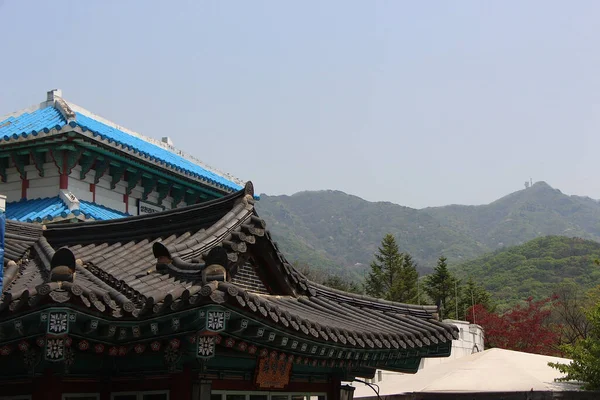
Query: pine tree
<point x="441" y="287"/>
<point x="470" y="294"/>
<point x="393" y="274"/>
<point x="406" y="291"/>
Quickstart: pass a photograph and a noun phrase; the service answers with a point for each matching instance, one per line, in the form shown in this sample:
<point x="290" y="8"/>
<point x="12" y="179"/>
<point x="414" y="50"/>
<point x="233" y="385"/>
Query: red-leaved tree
<point x="522" y="328"/>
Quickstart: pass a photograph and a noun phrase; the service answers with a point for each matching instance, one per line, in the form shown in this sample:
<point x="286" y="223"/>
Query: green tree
<point x="441" y="287"/>
<point x="585" y="356"/>
<point x="335" y="282"/>
<point x="393" y="274"/>
<point x="472" y="293"/>
<point x="406" y="289"/>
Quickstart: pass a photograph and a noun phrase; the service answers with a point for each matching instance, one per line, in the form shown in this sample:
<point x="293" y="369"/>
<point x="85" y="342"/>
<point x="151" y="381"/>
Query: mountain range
<point x="338" y="233"/>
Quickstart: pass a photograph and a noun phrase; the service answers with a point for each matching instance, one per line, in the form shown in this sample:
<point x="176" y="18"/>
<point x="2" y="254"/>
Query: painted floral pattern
<point x="206" y="346"/>
<point x="58" y="323"/>
<point x="55" y="349"/>
<point x="216" y="320"/>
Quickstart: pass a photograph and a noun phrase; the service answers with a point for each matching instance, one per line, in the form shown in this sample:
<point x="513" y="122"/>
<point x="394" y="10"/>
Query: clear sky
<point x="420" y="103"/>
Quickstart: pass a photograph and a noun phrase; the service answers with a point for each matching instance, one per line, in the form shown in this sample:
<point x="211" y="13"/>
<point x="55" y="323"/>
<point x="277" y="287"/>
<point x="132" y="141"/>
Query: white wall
<point x="49" y="186"/>
<point x="12" y="187"/>
<point x="42" y="187"/>
<point x="109" y="198"/>
<point x="80" y="189"/>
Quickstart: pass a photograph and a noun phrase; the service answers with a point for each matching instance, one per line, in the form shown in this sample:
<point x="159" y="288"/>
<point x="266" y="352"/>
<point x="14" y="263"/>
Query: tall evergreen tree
<point x="393" y="274"/>
<point x="441" y="287"/>
<point x="406" y="290"/>
<point x="470" y="294"/>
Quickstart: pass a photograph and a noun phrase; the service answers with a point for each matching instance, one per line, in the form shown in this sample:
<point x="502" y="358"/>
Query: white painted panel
<point x="50" y="169"/>
<point x="53" y="181"/>
<point x="137" y="192"/>
<point x="89" y="178"/>
<point x="77" y="184"/>
<point x="75" y="172"/>
<point x="167" y="202"/>
<point x="42" y="192"/>
<point x="121" y="187"/>
<point x="31" y="172"/>
<point x="80" y="189"/>
<point x="83" y="195"/>
<point x="133" y="206"/>
<point x="110" y="199"/>
<point x="5" y="187"/>
<point x="12" y="175"/>
<point x="12" y="195"/>
<point x="152" y="197"/>
<point x="105" y="183"/>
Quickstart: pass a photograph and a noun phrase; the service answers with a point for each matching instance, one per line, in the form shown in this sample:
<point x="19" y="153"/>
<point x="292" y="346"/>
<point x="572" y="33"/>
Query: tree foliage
<point x="472" y="293"/>
<point x="339" y="232"/>
<point x="570" y="311"/>
<point x="585" y="356"/>
<point x="535" y="268"/>
<point x="393" y="274"/>
<point x="332" y="281"/>
<point x="342" y="284"/>
<point x="522" y="328"/>
<point x="442" y="287"/>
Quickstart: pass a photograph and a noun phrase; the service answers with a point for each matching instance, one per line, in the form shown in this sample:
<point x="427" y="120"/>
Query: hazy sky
<point x="418" y="103"/>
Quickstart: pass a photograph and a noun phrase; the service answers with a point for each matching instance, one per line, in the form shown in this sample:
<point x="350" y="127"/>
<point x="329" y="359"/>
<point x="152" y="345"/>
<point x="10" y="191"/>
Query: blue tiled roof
<point x="48" y="118"/>
<point x="47" y="209"/>
<point x="31" y="123"/>
<point x="99" y="212"/>
<point x="151" y="150"/>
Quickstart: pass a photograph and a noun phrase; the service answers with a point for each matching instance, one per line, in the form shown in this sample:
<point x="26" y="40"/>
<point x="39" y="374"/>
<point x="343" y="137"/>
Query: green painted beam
<point x="149" y="169"/>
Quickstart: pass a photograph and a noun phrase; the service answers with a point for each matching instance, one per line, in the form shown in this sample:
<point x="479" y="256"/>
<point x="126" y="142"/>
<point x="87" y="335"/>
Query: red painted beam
<point x="64" y="181"/>
<point x="24" y="187"/>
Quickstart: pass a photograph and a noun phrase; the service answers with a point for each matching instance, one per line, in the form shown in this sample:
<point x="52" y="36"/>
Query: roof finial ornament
<point x="62" y="266"/>
<point x="163" y="256"/>
<point x="249" y="188"/>
<point x="216" y="263"/>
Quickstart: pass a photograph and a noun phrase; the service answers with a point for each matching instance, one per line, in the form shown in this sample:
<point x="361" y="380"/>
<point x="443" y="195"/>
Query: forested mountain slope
<point x="339" y="233"/>
<point x="534" y="268"/>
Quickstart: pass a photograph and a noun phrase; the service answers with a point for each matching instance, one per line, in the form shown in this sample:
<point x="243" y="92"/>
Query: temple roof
<point x="57" y="116"/>
<point x="142" y="267"/>
<point x="55" y="209"/>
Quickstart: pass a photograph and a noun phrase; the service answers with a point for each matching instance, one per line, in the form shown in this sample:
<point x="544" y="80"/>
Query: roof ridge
<point x="34" y="119"/>
<point x="322" y="289"/>
<point x="148" y="224"/>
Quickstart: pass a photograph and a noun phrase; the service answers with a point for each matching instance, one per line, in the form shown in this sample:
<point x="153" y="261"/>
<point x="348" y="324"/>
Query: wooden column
<point x="336" y="385"/>
<point x="24" y="187"/>
<point x="202" y="390"/>
<point x="181" y="385"/>
<point x="47" y="387"/>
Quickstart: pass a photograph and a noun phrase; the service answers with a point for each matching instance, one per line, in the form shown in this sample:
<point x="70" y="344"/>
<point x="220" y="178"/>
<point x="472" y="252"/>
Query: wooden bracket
<point x="149" y="184"/>
<point x="133" y="178"/>
<point x="38" y="160"/>
<point x="117" y="173"/>
<point x="101" y="168"/>
<point x="86" y="165"/>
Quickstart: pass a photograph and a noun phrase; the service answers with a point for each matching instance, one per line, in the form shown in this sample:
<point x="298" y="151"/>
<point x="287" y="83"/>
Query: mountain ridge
<point x="339" y="232"/>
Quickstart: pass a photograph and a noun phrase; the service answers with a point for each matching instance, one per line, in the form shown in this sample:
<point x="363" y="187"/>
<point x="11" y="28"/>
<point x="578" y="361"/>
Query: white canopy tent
<point x="493" y="370"/>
